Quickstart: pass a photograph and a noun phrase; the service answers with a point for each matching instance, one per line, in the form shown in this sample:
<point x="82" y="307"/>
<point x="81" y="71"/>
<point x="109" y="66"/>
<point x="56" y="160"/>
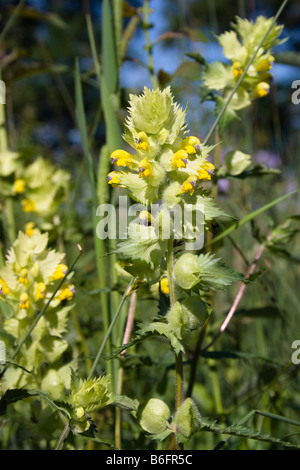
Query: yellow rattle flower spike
<point x="189" y="185"/>
<point x="145" y="168"/>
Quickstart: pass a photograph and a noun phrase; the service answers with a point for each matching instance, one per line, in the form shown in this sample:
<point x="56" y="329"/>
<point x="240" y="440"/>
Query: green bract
<point x="187" y="418"/>
<point x="154" y="416"/>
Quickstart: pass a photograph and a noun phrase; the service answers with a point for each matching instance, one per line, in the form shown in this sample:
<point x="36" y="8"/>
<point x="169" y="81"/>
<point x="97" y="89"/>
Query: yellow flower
<point x="40" y="291"/>
<point x="179" y="159"/>
<point x="164" y="285"/>
<point x="28" y="205"/>
<point x="113" y="178"/>
<point x="29" y="230"/>
<point x="261" y="89"/>
<point x="121" y="158"/>
<point x="189" y="185"/>
<point x="206" y="170"/>
<point x="145" y="168"/>
<point x="237" y="69"/>
<point x="23" y="279"/>
<point x="24" y="301"/>
<point x="67" y="293"/>
<point x="207" y="166"/>
<point x="142" y="141"/>
<point x="191" y="144"/>
<point x="79" y="411"/>
<point x="19" y="186"/>
<point x="60" y="271"/>
<point x="265" y="64"/>
<point x="4" y="290"/>
<point x="204" y="175"/>
<point x="146" y="218"/>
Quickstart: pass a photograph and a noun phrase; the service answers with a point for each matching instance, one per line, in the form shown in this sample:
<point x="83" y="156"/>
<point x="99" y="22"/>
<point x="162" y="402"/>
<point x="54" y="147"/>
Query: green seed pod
<point x="154" y="416"/>
<point x="187" y="418"/>
<point x="186" y="271"/>
<point x="195" y="312"/>
<point x="176" y="320"/>
<point x="187" y="316"/>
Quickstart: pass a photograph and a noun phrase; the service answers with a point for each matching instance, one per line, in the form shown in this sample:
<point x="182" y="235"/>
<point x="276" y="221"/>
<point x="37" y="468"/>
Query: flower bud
<point x="187" y="418"/>
<point x="186" y="271"/>
<point x="154" y="416"/>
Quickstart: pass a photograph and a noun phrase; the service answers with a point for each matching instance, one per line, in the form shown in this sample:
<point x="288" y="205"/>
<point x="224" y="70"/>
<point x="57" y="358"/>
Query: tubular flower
<point x="40" y="291"/>
<point x="29" y="229"/>
<point x="206" y="171"/>
<point x="67" y="293"/>
<point x="122" y="158"/>
<point x="191" y="144"/>
<point x="146" y="218"/>
<point x="60" y="271"/>
<point x="264" y="65"/>
<point x="261" y="89"/>
<point x="23" y="279"/>
<point x="180" y="159"/>
<point x="28" y="205"/>
<point x="164" y="285"/>
<point x="24" y="301"/>
<point x="237" y="69"/>
<point x="113" y="178"/>
<point x="145" y="168"/>
<point x="19" y="186"/>
<point x="189" y="185"/>
<point x="4" y="290"/>
<point x="204" y="175"/>
<point x="142" y="141"/>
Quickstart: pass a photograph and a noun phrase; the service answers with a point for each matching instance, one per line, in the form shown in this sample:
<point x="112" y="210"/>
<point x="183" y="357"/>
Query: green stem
<point x="109" y="330"/>
<point x="179" y="390"/>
